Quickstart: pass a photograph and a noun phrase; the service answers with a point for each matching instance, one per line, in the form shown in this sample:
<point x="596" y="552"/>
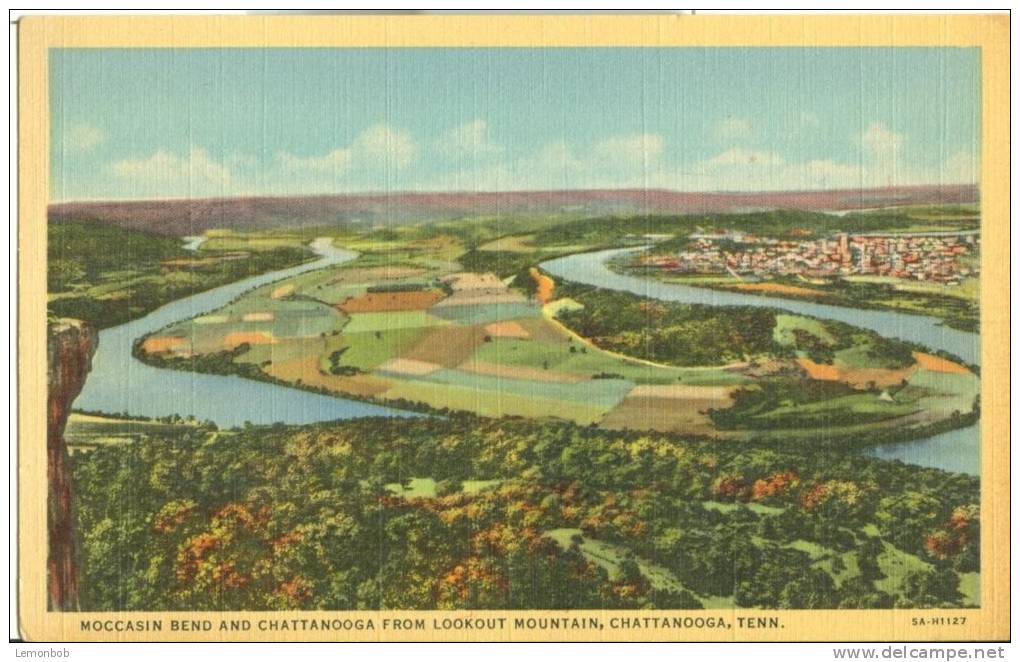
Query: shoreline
<point x="846" y="441"/>
<point x="825" y="298"/>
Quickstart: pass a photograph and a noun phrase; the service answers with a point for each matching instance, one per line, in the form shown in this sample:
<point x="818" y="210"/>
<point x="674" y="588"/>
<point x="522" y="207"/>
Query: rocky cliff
<point x="70" y="346"/>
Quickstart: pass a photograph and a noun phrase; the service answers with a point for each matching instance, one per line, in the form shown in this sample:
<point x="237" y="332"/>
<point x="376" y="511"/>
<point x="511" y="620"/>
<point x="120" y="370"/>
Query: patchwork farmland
<point x="406" y="325"/>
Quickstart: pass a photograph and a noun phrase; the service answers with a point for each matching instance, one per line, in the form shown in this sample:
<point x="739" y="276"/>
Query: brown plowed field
<point x="939" y="364"/>
<point x="669" y="409"/>
<point x="232" y="340"/>
<point x="387" y="302"/>
<point x="159" y="345"/>
<point x="449" y="346"/>
<point x="858" y="377"/>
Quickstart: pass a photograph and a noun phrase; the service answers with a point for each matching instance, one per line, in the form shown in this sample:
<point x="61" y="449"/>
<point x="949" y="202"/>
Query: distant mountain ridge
<point x="184" y="217"/>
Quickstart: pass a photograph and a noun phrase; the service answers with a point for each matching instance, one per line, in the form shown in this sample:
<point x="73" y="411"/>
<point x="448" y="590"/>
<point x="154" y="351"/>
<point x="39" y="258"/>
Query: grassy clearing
<point x="494" y="404"/>
<point x="516" y="352"/>
<point x="371" y="322"/>
<point x="426" y="487"/>
<point x="964" y="387"/>
<point x="592" y="361"/>
<point x="476" y="486"/>
<point x="895" y="564"/>
<point x="970" y="587"/>
<point x="866" y="406"/>
<point x="605" y="393"/>
<point x="786" y="325"/>
<point x="968" y="290"/>
<point x="812" y="549"/>
<point x="416" y="488"/>
<point x="223" y="240"/>
<point x="85" y="432"/>
<point x="850" y="569"/>
<point x="609" y="556"/>
<point x="367" y="351"/>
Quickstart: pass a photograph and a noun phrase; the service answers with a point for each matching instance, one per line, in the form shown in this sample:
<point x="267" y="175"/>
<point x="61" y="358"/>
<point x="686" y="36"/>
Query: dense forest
<point x="690" y="334"/>
<point x="673" y="333"/>
<point x="455" y="511"/>
<point x="516" y="514"/>
<point x="108" y="275"/>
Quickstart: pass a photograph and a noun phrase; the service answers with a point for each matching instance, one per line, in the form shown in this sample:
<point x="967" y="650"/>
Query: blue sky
<point x="147" y="123"/>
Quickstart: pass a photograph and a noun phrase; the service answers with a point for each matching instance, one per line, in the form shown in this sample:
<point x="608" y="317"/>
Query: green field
<point x="605" y="393"/>
<point x="577" y="357"/>
<point x="494" y="404"/>
<point x="371" y="322"/>
<point x="367" y="351"/>
<point x="786" y="325"/>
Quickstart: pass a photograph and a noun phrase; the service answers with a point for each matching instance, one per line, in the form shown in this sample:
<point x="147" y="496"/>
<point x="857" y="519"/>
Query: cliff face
<point x="70" y="346"/>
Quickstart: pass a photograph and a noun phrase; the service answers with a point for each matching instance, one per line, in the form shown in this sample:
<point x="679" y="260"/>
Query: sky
<point x="172" y="123"/>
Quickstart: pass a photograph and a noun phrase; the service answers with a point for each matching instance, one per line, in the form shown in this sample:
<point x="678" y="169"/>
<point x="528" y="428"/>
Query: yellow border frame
<point x="989" y="32"/>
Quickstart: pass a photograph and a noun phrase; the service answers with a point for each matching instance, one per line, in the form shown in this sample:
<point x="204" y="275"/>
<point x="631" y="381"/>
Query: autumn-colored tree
<point x="776" y="484"/>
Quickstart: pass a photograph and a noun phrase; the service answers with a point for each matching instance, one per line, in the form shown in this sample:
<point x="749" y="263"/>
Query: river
<point x="958" y="450"/>
<point x="120" y="383"/>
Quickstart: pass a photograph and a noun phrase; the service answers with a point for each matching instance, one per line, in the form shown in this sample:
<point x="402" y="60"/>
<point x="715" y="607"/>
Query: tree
<point x="905" y="519"/>
<point x="932" y="587"/>
<point x="814" y="589"/>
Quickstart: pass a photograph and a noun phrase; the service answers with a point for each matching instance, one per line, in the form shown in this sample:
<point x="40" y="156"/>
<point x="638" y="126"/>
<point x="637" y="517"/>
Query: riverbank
<point x="89" y="281"/>
<point x="924" y="331"/>
<point x="259" y="397"/>
<point x="120" y="384"/>
<point x="591" y="269"/>
<point x="956" y="313"/>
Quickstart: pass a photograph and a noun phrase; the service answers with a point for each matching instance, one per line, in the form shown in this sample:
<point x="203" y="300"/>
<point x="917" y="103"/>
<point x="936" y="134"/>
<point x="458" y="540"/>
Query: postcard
<point x="514" y="328"/>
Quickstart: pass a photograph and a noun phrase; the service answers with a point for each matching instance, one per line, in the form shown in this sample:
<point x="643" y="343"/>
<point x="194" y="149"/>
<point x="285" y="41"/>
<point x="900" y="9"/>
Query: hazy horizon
<point x="372" y="194"/>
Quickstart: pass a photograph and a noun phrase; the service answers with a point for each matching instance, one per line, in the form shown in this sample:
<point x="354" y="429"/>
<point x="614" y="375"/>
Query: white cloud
<point x="741" y="169"/>
<point x="961" y="167"/>
<point x="371" y="161"/>
<point x="628" y="160"/>
<point x="380" y="146"/>
<point x="881" y="156"/>
<point x="334" y="163"/>
<point x="733" y="128"/>
<point x="558" y="154"/>
<point x="167" y="174"/>
<point x="469" y="140"/>
<point x="83" y="137"/>
<point x="880" y="163"/>
<point x="881" y="143"/>
<point x="631" y="149"/>
<point x="386" y="145"/>
<point x="384" y="158"/>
